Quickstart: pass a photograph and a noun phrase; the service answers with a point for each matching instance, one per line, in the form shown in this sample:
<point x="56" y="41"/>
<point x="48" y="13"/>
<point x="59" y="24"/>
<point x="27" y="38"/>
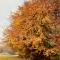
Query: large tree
<point x="34" y="30"/>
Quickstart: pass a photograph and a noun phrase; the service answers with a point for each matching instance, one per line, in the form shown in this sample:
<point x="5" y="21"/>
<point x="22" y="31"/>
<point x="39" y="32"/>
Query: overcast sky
<point x="6" y="7"/>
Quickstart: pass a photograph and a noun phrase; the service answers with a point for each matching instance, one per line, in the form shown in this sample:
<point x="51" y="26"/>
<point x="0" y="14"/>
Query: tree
<point x="34" y="30"/>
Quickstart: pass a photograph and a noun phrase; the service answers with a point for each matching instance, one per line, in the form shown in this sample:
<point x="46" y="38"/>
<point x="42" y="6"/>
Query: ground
<point x="9" y="57"/>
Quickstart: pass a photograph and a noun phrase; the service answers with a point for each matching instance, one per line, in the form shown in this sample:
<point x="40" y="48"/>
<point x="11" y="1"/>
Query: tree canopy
<point x="35" y="30"/>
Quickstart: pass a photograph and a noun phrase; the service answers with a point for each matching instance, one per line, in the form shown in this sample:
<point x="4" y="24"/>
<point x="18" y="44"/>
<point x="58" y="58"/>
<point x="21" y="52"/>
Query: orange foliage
<point x="27" y="25"/>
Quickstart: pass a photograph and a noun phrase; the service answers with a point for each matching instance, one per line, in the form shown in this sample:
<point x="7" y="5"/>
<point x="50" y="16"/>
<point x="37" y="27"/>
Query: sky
<point x="6" y="7"/>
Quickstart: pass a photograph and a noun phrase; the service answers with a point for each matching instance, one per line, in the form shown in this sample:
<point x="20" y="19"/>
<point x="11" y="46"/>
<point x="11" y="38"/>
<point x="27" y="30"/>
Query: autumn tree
<point x="34" y="30"/>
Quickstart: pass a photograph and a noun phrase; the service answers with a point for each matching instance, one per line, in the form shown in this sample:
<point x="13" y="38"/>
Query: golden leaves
<point x="31" y="24"/>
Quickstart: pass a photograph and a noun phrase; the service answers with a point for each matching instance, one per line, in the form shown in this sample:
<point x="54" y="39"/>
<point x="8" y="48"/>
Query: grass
<point x="8" y="58"/>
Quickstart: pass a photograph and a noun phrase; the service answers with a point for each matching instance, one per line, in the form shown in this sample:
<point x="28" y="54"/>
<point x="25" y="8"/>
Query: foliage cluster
<point x="34" y="30"/>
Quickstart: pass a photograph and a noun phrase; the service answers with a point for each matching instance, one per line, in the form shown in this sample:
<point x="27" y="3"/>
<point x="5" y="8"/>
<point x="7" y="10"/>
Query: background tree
<point x="34" y="31"/>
